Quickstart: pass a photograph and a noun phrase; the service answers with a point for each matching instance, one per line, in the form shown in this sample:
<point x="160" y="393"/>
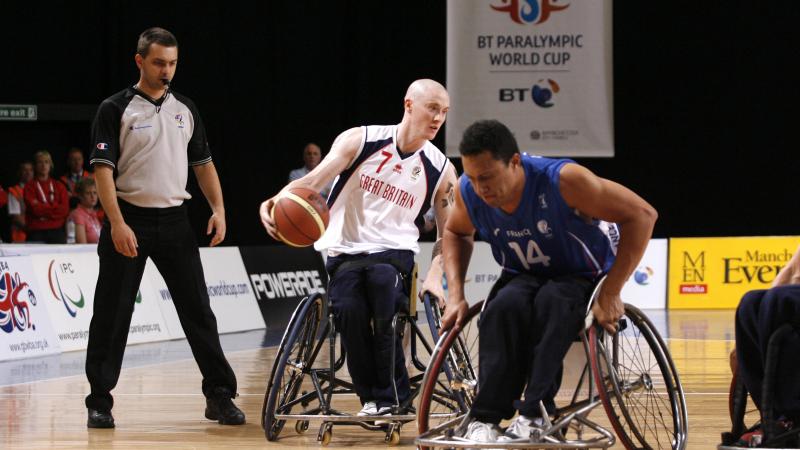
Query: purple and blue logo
<point x="529" y="11"/>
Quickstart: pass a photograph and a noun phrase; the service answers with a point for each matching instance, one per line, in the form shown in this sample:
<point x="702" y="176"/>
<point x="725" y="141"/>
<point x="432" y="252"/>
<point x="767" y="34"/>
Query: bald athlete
<point x="389" y="176"/>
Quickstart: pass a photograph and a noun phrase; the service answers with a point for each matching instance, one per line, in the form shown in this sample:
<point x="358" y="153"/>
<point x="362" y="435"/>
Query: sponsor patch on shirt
<point x="102" y="146"/>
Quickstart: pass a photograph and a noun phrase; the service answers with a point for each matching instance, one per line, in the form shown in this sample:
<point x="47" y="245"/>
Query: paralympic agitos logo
<point x="529" y="11"/>
<point x="58" y="275"/>
<point x="69" y="302"/>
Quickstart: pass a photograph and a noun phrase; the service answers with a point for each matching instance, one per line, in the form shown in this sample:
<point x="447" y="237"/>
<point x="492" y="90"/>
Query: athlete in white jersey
<point x="388" y="177"/>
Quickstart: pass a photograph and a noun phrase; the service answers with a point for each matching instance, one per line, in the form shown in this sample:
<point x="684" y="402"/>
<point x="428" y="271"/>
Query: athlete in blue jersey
<point x="551" y="225"/>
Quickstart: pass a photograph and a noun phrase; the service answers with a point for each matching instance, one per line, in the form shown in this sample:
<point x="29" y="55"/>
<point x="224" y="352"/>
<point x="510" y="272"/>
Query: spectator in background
<point x="84" y="216"/>
<point x="312" y="155"/>
<point x="75" y="173"/>
<point x="46" y="203"/>
<point x="16" y="201"/>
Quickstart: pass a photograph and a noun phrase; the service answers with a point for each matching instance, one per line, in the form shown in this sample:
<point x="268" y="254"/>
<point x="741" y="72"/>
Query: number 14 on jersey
<point x="532" y="256"/>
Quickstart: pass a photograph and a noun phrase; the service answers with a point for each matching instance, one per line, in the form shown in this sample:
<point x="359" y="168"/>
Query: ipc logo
<point x="542" y="92"/>
<point x="529" y="11"/>
<point x="642" y="275"/>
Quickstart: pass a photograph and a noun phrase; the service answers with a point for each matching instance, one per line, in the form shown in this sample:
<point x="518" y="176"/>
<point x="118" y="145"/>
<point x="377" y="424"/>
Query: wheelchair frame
<point x="606" y="385"/>
<point x="737" y="402"/>
<point x="303" y="334"/>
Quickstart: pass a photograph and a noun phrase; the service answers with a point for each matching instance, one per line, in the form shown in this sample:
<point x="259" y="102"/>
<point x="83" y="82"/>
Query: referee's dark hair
<point x="490" y="136"/>
<point x="154" y="35"/>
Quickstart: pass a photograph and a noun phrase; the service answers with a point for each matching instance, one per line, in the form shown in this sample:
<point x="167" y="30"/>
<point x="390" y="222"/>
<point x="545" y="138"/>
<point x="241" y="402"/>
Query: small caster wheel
<point x="394" y="437"/>
<point x="301" y="426"/>
<point x="326" y="437"/>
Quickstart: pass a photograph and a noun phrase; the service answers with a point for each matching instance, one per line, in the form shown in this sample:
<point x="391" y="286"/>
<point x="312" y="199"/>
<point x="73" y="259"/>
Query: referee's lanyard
<point x="42" y="196"/>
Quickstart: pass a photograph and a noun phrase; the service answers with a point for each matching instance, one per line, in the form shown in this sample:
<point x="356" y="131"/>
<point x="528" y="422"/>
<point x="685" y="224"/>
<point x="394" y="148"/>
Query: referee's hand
<point x="124" y="240"/>
<point x="216" y="224"/>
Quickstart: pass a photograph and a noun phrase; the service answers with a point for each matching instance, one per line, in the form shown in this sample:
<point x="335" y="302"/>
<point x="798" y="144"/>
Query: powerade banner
<point x="708" y="273"/>
<point x="68" y="282"/>
<point x="228" y="290"/>
<point x="542" y="67"/>
<point x="281" y="276"/>
<point x="25" y="328"/>
<point x="646" y="288"/>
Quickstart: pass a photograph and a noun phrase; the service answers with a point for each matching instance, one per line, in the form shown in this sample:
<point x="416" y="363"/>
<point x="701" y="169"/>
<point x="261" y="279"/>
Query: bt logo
<point x="642" y="275"/>
<point x="529" y="11"/>
<point x="541" y="93"/>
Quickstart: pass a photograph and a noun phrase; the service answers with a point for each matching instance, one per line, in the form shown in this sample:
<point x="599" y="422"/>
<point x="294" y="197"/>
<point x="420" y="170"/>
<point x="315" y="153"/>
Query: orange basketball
<point x="301" y="216"/>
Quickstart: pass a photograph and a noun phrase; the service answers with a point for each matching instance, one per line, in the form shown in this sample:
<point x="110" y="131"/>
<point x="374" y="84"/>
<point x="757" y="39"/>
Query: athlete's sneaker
<point x="369" y="409"/>
<point x="522" y="427"/>
<point x="482" y="432"/>
<point x="383" y="411"/>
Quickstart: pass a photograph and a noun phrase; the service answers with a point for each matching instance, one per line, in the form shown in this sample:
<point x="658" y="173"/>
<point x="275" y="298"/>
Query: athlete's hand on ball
<point x="266" y="217"/>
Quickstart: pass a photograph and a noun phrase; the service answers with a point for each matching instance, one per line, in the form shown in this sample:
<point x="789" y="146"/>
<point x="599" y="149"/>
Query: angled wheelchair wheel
<point x="451" y="379"/>
<point x="292" y="363"/>
<point x="638" y="384"/>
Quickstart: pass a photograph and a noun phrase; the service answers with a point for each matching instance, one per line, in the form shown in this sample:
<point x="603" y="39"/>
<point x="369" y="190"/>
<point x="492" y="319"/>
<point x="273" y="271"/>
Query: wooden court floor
<point x="160" y="406"/>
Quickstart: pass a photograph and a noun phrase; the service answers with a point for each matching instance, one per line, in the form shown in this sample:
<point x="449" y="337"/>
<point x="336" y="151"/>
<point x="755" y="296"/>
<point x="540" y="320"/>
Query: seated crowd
<point x="45" y="209"/>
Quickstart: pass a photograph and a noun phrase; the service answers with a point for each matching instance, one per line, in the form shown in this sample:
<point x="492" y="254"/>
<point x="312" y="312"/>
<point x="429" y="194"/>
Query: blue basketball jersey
<point x="544" y="236"/>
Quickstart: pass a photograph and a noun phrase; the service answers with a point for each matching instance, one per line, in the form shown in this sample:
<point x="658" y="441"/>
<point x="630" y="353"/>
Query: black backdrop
<point x="704" y="94"/>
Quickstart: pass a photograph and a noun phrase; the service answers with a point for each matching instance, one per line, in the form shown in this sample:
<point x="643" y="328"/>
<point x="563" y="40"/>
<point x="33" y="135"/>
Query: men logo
<point x="529" y="11"/>
<point x="58" y="292"/>
<point x="14" y="311"/>
<point x="542" y="92"/>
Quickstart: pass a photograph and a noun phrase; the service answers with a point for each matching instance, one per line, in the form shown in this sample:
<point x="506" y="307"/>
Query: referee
<point x="145" y="138"/>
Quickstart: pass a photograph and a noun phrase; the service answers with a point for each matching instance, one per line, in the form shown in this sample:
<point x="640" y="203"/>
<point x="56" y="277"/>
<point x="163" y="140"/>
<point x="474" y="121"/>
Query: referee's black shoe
<point x="220" y="407"/>
<point x="100" y="419"/>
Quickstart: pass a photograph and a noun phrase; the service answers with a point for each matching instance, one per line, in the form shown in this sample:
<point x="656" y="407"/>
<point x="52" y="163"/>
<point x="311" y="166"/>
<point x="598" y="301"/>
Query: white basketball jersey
<point x="379" y="201"/>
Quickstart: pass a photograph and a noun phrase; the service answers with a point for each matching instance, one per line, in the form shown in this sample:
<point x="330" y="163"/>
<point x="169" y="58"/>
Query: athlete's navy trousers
<point x="364" y="298"/>
<point x="163" y="234"/>
<point x="525" y="332"/>
<point x="759" y="314"/>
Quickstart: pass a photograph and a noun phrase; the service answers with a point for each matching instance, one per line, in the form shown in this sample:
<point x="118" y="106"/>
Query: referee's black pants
<point x="163" y="234"/>
<point x="525" y="332"/>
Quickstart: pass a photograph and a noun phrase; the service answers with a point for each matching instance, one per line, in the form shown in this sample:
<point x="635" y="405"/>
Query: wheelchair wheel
<point x="638" y="384"/>
<point x="451" y="379"/>
<point x="292" y="363"/>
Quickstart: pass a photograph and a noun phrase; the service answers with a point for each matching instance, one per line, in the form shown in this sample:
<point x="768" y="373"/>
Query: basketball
<point x="301" y="216"/>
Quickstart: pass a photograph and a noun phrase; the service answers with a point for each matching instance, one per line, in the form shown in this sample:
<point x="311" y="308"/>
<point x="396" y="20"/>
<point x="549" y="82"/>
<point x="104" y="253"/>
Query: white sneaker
<point x="383" y="411"/>
<point x="482" y="432"/>
<point x="522" y="426"/>
<point x="369" y="409"/>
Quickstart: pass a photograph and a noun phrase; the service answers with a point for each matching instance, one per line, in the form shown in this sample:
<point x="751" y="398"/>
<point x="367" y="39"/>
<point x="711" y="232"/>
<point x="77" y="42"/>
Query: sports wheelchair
<point x="630" y="373"/>
<point x="304" y="382"/>
<point x="774" y="435"/>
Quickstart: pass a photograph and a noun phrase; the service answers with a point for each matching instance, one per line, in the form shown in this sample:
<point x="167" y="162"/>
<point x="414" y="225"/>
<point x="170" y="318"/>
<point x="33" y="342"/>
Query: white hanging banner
<point x="542" y="67"/>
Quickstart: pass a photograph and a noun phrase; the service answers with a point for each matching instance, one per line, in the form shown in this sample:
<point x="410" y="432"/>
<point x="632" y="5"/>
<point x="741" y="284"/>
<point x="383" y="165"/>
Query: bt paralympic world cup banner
<point x="542" y="67"/>
<point x="714" y="273"/>
<point x="67" y="282"/>
<point x="25" y="328"/>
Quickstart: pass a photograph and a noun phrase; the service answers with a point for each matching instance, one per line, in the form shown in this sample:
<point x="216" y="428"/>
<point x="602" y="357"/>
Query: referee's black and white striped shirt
<point x="150" y="144"/>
